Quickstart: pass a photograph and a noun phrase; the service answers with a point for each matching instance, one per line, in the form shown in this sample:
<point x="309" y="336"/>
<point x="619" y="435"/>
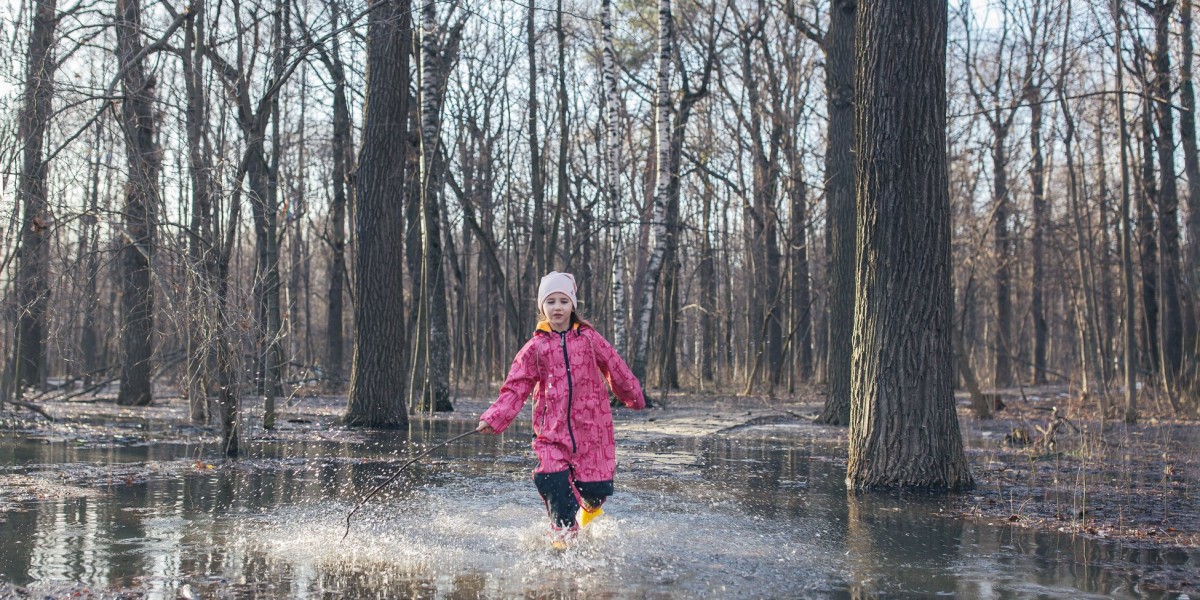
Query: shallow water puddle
<point x="693" y="517"/>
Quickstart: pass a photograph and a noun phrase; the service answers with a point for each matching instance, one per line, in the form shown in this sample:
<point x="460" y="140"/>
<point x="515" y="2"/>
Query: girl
<point x="565" y="365"/>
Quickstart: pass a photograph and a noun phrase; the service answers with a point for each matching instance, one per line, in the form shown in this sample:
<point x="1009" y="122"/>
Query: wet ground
<point x="719" y="498"/>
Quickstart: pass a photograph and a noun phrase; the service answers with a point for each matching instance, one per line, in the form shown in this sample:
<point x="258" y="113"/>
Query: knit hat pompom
<point x="557" y="282"/>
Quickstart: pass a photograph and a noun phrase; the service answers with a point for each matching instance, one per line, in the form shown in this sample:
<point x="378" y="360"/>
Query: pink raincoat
<point x="571" y="416"/>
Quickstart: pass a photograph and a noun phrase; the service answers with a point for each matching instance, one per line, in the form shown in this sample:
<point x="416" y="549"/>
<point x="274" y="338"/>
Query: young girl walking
<point x="565" y="365"/>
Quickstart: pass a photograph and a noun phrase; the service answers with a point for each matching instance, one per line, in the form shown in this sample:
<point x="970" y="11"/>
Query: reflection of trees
<point x="17" y="529"/>
<point x="888" y="539"/>
<point x="770" y="481"/>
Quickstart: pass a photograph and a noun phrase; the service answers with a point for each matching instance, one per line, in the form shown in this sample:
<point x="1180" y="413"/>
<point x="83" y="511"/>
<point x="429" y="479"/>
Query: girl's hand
<point x="484" y="428"/>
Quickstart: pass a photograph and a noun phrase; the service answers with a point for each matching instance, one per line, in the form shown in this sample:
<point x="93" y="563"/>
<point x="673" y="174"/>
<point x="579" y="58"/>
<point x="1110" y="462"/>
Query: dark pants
<point x="558" y="491"/>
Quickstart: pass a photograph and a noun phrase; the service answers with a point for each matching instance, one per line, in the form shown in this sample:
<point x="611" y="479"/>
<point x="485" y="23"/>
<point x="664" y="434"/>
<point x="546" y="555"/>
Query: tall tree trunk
<point x="1087" y="320"/>
<point x="904" y="431"/>
<point x="377" y="377"/>
<point x="1148" y="246"/>
<point x="141" y="200"/>
<point x="536" y="180"/>
<point x="203" y="244"/>
<point x="664" y="110"/>
<point x="707" y="336"/>
<point x="1191" y="168"/>
<point x="612" y="175"/>
<point x="801" y="298"/>
<point x="841" y="209"/>
<point x="90" y="344"/>
<point x="1171" y="322"/>
<point x="33" y="259"/>
<point x="436" y="340"/>
<point x="342" y="156"/>
<point x="1041" y="223"/>
<point x="266" y="212"/>
<point x="564" y="137"/>
<point x="1002" y="332"/>
<point x="1130" y="320"/>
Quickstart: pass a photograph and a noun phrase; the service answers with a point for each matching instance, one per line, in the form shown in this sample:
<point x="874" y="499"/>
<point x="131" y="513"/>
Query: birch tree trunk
<point x="904" y="431"/>
<point x="664" y="110"/>
<point x="612" y="174"/>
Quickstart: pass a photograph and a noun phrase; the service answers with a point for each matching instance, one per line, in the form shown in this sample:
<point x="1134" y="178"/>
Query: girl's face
<point x="557" y="308"/>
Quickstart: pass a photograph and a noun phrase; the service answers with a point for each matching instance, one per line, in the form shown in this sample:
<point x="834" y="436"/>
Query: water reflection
<point x="708" y="516"/>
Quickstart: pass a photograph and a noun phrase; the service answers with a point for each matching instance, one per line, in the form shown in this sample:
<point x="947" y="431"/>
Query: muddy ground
<point x="1046" y="461"/>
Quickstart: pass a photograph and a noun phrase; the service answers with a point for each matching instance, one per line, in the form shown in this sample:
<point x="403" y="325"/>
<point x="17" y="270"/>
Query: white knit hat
<point x="557" y="282"/>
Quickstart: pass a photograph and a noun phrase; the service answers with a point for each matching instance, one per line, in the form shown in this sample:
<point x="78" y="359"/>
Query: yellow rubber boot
<point x="586" y="515"/>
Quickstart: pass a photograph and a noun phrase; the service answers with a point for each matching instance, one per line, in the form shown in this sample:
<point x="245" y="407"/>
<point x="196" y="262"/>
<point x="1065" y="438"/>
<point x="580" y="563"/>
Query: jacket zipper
<point x="562" y="338"/>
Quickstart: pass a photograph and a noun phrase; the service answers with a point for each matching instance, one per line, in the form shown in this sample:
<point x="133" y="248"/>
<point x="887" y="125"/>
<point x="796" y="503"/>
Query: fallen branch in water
<point x="32" y="407"/>
<point x="396" y="475"/>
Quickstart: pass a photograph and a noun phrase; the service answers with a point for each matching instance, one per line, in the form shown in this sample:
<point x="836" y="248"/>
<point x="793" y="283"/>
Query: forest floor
<point x="1044" y="462"/>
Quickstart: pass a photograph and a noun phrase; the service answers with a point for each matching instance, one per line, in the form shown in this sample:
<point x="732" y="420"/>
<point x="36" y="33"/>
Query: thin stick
<point x="397" y="474"/>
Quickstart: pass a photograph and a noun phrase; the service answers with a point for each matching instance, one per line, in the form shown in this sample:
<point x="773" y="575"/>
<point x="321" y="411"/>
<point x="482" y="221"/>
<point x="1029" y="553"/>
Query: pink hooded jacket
<point x="571" y="415"/>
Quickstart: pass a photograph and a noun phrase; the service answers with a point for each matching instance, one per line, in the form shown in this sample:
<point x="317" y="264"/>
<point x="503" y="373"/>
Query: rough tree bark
<point x="33" y="258"/>
<point x="1041" y="223"/>
<point x="377" y="376"/>
<point x="904" y="432"/>
<point x="141" y="200"/>
<point x="1191" y="168"/>
<point x="1171" y="318"/>
<point x="536" y="179"/>
<point x="840" y="202"/>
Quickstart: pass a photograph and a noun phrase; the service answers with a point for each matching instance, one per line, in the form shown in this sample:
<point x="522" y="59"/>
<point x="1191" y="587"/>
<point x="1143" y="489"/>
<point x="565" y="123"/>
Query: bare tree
<point x="1127" y="233"/>
<point x="840" y="96"/>
<point x="1162" y="90"/>
<point x="33" y="259"/>
<point x="612" y="166"/>
<point x="670" y="123"/>
<point x="439" y="48"/>
<point x="1191" y="168"/>
<point x="141" y="201"/>
<point x="996" y="95"/>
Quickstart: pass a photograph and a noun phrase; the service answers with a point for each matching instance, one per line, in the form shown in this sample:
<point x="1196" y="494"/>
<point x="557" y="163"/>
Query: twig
<point x="396" y="475"/>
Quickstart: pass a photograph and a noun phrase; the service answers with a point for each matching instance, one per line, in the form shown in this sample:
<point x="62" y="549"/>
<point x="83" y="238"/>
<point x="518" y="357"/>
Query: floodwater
<point x="730" y="516"/>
